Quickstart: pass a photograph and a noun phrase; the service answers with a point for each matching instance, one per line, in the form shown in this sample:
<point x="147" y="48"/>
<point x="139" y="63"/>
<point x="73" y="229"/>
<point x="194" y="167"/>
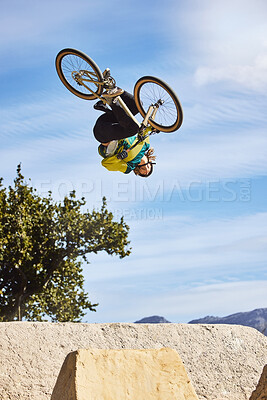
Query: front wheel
<point x="148" y="91"/>
<point x="79" y="73"/>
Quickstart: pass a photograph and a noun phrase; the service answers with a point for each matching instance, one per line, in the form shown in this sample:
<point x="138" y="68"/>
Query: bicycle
<point x="156" y="101"/>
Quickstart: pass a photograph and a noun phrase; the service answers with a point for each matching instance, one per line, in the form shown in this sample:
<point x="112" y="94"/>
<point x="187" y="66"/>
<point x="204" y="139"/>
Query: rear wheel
<point x="79" y="73"/>
<point x="149" y="90"/>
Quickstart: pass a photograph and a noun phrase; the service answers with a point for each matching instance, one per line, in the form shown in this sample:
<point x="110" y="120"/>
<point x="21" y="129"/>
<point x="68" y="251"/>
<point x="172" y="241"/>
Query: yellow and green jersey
<point x="128" y="164"/>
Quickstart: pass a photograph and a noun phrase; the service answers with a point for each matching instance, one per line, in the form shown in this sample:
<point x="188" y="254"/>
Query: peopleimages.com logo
<point x="141" y="213"/>
<point x="145" y="191"/>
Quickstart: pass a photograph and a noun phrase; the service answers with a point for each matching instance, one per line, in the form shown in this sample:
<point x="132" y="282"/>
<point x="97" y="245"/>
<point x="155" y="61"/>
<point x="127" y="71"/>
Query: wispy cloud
<point x="229" y="42"/>
<point x="50" y="126"/>
<point x="180" y="305"/>
<point x="186" y="269"/>
<point x="252" y="76"/>
<point x="214" y="55"/>
<point x="217" y="299"/>
<point x="201" y="157"/>
<point x="46" y="129"/>
<point x="228" y="245"/>
<point x="31" y="34"/>
<point x="31" y="23"/>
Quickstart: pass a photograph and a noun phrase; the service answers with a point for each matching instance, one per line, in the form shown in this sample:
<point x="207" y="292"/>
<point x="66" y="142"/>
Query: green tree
<point x="42" y="246"/>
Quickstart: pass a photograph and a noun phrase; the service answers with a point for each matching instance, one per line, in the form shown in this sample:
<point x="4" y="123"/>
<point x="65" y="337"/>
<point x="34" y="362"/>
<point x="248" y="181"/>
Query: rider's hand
<point x="123" y="154"/>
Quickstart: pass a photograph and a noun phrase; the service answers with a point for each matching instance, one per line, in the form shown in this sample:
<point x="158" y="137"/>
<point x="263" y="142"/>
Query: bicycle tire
<point x="148" y="90"/>
<point x="69" y="61"/>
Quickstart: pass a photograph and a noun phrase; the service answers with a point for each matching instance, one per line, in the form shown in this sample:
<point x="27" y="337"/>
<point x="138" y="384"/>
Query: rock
<point x="261" y="390"/>
<point x="155" y="319"/>
<point x="224" y="362"/>
<point x="123" y="375"/>
<point x="255" y="319"/>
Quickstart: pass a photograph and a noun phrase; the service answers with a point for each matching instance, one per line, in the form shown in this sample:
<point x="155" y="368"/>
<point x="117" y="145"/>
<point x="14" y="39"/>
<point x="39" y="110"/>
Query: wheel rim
<point x="167" y="113"/>
<point x="74" y="68"/>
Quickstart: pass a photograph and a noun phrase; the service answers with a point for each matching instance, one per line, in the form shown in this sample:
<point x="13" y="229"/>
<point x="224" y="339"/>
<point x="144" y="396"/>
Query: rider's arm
<point x="113" y="164"/>
<point x="102" y="150"/>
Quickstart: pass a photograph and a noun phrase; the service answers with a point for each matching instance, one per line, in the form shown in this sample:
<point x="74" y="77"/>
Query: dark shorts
<point x="116" y="124"/>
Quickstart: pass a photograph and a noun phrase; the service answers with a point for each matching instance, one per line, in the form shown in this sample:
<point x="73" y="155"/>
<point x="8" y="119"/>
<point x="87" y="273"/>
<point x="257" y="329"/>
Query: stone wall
<point x="224" y="362"/>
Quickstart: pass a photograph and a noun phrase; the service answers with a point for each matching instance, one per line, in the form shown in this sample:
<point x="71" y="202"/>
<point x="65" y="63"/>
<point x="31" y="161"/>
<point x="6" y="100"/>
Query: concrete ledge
<point x="224" y="362"/>
<point x="123" y="375"/>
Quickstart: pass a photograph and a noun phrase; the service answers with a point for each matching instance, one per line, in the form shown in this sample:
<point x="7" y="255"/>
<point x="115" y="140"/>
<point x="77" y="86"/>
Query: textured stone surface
<point x="123" y="375"/>
<point x="224" y="362"/>
<point x="260" y="393"/>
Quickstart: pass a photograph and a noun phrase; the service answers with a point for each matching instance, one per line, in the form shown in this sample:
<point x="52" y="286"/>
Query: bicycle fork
<point x="151" y="112"/>
<point x="79" y="77"/>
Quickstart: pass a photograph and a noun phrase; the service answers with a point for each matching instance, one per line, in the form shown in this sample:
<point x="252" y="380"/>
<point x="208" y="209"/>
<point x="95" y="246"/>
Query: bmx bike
<point x="156" y="101"/>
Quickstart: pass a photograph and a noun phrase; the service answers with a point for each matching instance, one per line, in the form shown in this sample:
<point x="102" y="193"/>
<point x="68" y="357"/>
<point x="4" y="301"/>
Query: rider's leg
<point x="130" y="102"/>
<point x="107" y="128"/>
<point x="100" y="106"/>
<point x="128" y="99"/>
<point x="122" y="117"/>
<point x="117" y="124"/>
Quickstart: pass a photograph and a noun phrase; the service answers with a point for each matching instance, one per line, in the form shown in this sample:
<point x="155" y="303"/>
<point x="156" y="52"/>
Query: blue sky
<point x="198" y="225"/>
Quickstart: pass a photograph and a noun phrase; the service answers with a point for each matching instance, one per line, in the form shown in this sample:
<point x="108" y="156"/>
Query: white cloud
<point x="227" y="31"/>
<point x="45" y="132"/>
<point x="180" y="305"/>
<point x="225" y="41"/>
<point x="178" y="245"/>
<point x="30" y="22"/>
<point x="252" y="76"/>
<point x="215" y="156"/>
<point x="60" y="128"/>
<point x="222" y="138"/>
<point x="218" y="299"/>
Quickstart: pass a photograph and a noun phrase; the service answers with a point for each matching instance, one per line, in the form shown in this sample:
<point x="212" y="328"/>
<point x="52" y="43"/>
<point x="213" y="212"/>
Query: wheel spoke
<point x="73" y="63"/>
<point x="167" y="112"/>
<point x="149" y="91"/>
<point x="79" y="73"/>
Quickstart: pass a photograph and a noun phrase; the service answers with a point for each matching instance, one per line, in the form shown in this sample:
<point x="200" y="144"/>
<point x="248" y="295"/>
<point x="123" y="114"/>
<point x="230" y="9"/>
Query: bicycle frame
<point x="79" y="78"/>
<point x="144" y="127"/>
<point x="152" y="110"/>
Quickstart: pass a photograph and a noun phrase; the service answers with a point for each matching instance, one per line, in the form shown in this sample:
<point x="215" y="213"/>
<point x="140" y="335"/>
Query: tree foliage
<point x="42" y="246"/>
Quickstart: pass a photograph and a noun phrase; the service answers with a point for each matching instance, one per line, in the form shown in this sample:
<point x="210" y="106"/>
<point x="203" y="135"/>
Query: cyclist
<point x="117" y="132"/>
